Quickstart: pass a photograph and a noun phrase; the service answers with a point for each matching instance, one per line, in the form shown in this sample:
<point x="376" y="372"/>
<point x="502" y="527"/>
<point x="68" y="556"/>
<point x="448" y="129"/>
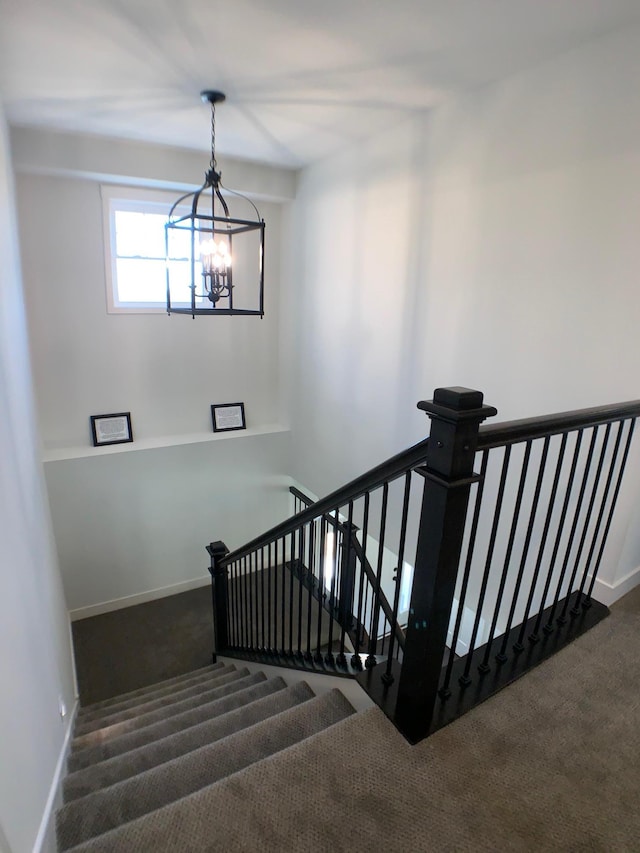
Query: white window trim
<point x="119" y="197"/>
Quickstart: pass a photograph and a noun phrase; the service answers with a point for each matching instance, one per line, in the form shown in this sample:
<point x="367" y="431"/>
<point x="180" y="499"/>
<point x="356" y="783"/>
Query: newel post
<point x="456" y="414"/>
<point x="219" y="595"/>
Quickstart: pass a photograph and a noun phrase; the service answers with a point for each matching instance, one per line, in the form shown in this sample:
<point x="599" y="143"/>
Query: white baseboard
<point x="608" y="593"/>
<point x="138" y="598"/>
<point x="45" y="839"/>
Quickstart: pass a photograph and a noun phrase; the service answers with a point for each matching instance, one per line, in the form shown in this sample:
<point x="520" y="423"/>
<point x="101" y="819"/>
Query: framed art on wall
<point x="228" y="416"/>
<point x="111" y="429"/>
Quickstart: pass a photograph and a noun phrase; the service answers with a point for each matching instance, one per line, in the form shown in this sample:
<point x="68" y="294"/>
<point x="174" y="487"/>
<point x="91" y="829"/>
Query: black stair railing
<point x="443" y="574"/>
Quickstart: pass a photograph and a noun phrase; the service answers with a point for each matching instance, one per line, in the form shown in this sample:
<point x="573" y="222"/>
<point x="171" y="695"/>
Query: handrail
<point x="385" y="606"/>
<point x="301" y="496"/>
<point x="383" y="473"/>
<point x="511" y="432"/>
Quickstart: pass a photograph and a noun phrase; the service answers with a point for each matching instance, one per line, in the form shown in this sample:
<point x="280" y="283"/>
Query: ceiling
<point x="302" y="77"/>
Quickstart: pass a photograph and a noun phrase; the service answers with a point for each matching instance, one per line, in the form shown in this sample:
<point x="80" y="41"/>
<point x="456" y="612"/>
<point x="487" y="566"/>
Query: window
<point x="135" y="254"/>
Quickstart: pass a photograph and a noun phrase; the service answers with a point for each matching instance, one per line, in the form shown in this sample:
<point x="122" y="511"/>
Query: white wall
<point x="137" y="520"/>
<point x="35" y="664"/>
<point x="491" y="244"/>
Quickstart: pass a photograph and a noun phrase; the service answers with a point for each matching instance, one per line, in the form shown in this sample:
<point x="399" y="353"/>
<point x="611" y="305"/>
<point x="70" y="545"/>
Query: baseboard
<point x="138" y="598"/>
<point x="608" y="593"/>
<point x="45" y="840"/>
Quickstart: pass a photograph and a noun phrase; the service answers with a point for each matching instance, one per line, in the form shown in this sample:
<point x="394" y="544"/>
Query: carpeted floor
<point x="120" y="651"/>
<point x="552" y="763"/>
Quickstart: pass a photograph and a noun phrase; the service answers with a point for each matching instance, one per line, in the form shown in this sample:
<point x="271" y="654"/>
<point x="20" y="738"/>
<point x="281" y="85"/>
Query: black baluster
<point x="614" y="500"/>
<point x="549" y="626"/>
<point x="444" y="690"/>
<point x="603" y="503"/>
<point x="262" y="600"/>
<point x="375" y="600"/>
<point x="329" y="657"/>
<point x="502" y="656"/>
<point x="283" y="621"/>
<point x="556" y="546"/>
<point x="465" y="678"/>
<point x="518" y="646"/>
<point x="387" y="678"/>
<point x="310" y="575"/>
<point x="271" y="602"/>
<point x="484" y="666"/>
<point x="299" y="575"/>
<point x="323" y="526"/>
<point x="290" y="579"/>
<point x="356" y="662"/>
<point x="575" y="610"/>
<point x="238" y="598"/>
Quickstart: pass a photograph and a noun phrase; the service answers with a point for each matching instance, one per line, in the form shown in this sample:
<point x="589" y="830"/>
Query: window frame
<point x="135" y="199"/>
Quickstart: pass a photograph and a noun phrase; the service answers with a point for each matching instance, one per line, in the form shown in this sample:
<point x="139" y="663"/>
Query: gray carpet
<point x="550" y="763"/>
<point x="130" y="648"/>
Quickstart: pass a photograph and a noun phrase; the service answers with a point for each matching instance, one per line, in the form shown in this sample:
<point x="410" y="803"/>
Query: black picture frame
<point x="111" y="429"/>
<point x="228" y="416"/>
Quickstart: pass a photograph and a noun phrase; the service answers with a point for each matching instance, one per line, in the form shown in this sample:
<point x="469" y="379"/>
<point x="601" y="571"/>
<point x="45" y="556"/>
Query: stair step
<point x="217" y="701"/>
<point x="226" y="682"/>
<point x="136" y="761"/>
<point x="97" y="709"/>
<point x="128" y="801"/>
<point x="152" y="703"/>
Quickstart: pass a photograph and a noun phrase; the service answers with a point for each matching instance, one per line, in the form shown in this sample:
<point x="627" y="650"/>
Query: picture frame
<point x="228" y="416"/>
<point x="111" y="429"/>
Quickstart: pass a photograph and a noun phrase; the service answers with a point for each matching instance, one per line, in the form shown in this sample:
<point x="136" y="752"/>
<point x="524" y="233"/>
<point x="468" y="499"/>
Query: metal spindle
<point x="291" y="591"/>
<point x="323" y="529"/>
<point x="387" y="677"/>
<point x="355" y="660"/>
<point x="502" y="656"/>
<point x="270" y="603"/>
<point x="596" y="482"/>
<point x="556" y="546"/>
<point x="329" y="657"/>
<point x="373" y="635"/>
<point x="464" y="678"/>
<point x="574" y="526"/>
<point x="262" y="602"/>
<point x="603" y="503"/>
<point x="346" y="606"/>
<point x="245" y="603"/>
<point x="444" y="690"/>
<point x="518" y="645"/>
<point x="234" y="604"/>
<point x="301" y="544"/>
<point x="484" y="666"/>
<point x="283" y="598"/>
<point x="614" y="500"/>
<point x="250" y="590"/>
<point x="312" y="528"/>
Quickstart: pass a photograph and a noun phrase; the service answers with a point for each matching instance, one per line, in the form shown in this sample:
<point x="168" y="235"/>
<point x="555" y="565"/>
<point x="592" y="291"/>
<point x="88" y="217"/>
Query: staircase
<point x="151" y="758"/>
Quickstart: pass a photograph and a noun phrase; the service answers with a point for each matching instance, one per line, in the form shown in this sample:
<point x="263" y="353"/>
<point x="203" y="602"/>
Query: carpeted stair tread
<point x="221" y="701"/>
<point x="226" y="684"/>
<point x="136" y="761"/>
<point x="150" y="691"/>
<point x="153" y="703"/>
<point x="147" y="792"/>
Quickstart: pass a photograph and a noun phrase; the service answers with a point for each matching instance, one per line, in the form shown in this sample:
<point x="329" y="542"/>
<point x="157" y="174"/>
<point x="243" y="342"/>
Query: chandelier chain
<point x="213" y="137"/>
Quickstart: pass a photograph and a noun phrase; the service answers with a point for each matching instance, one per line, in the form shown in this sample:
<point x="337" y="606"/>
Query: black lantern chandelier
<point x="215" y="262"/>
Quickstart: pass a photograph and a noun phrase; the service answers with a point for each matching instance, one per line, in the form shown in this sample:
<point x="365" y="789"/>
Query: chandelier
<point x="214" y="261"/>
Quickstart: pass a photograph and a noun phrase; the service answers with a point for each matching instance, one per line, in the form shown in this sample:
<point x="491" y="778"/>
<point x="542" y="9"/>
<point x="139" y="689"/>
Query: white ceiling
<point x="302" y="77"/>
